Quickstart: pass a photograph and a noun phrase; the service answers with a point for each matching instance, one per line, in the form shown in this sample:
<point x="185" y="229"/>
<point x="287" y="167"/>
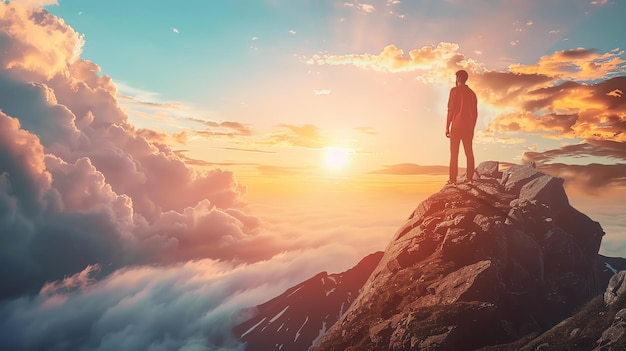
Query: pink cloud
<point x="82" y="183"/>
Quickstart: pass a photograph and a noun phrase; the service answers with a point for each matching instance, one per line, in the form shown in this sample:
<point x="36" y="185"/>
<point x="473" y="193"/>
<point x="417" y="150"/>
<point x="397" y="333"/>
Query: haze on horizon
<point x="163" y="166"/>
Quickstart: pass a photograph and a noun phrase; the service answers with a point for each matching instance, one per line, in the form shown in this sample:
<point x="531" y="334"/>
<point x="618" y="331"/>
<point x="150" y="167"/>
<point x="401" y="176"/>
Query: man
<point x="462" y="115"/>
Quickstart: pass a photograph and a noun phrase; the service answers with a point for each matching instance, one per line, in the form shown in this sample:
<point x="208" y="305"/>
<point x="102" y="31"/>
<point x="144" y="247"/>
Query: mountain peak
<point x="475" y="265"/>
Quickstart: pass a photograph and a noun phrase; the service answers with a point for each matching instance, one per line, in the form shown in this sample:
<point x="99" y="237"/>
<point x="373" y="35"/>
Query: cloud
<point x="247" y="150"/>
<point x="430" y="62"/>
<point x="175" y="30"/>
<point x="190" y="305"/>
<point x="238" y="128"/>
<point x="568" y="110"/>
<point x="412" y="169"/>
<point x="366" y="130"/>
<point x="578" y="64"/>
<point x="366" y="8"/>
<point x="568" y="95"/>
<point x="36" y="3"/>
<point x="39" y="52"/>
<point x="592" y="179"/>
<point x="615" y="93"/>
<point x="596" y="148"/>
<point x="321" y="92"/>
<point x="307" y="136"/>
<point x="79" y="182"/>
<point x="195" y="162"/>
<point x="276" y="171"/>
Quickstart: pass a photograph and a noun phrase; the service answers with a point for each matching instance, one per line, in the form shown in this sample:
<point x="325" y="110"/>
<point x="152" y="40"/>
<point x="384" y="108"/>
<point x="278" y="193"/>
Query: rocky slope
<point x="599" y="326"/>
<point x="478" y="265"/>
<point x="296" y="319"/>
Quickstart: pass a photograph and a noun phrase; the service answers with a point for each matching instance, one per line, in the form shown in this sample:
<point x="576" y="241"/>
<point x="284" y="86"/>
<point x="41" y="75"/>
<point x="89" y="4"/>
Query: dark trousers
<point x="456" y="137"/>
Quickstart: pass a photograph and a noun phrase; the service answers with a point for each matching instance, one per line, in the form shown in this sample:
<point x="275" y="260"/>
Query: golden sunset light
<point x="336" y="159"/>
<point x="167" y="168"/>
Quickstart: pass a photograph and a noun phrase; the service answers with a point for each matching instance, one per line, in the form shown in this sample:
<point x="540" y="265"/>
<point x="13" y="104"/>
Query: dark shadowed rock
<point x="478" y="265"/>
<point x="294" y="320"/>
<point x="599" y="325"/>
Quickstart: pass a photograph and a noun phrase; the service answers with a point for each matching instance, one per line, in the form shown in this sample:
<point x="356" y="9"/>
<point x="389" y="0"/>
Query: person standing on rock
<point x="460" y="123"/>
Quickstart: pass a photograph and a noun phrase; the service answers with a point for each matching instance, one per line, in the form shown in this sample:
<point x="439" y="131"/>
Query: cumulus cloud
<point x="571" y="95"/>
<point x="38" y="50"/>
<point x="79" y="182"/>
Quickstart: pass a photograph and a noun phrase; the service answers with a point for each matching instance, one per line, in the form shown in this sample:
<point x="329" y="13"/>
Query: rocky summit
<point x="502" y="263"/>
<point x="479" y="264"/>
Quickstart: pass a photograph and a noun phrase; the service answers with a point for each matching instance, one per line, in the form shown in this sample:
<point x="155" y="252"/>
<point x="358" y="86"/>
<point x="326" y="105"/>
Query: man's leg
<point x="455" y="141"/>
<point x="469" y="154"/>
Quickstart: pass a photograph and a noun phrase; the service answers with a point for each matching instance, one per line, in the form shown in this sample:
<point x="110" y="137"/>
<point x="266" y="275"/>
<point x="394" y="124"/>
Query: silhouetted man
<point x="462" y="115"/>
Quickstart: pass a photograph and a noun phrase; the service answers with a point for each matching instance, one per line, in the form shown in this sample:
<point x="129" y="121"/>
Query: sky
<point x="191" y="159"/>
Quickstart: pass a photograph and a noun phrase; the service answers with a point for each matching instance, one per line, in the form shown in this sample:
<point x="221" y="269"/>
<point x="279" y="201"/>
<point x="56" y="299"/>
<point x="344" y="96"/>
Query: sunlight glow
<point x="335" y="158"/>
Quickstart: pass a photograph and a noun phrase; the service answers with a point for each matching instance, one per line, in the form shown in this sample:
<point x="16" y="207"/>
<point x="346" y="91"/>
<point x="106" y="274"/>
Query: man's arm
<point x="451" y="109"/>
<point x="475" y="111"/>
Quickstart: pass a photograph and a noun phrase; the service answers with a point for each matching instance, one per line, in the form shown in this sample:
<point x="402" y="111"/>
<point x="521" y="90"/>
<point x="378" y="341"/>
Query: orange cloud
<point x="578" y="64"/>
<point x="42" y="47"/>
<point x="431" y="62"/>
<point x="307" y="136"/>
<point x="238" y="128"/>
<point x="568" y="110"/>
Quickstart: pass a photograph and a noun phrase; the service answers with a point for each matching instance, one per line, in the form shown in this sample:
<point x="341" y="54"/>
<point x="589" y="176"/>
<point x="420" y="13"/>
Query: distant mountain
<point x="296" y="319"/>
<point x="503" y="263"/>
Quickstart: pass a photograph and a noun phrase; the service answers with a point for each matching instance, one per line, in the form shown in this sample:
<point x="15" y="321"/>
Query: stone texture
<point x="477" y="265"/>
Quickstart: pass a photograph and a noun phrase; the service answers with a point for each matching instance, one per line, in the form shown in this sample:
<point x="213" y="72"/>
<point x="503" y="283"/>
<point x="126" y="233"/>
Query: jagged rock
<point x="294" y="320"/>
<point x="614" y="333"/>
<point x="477" y="265"/>
<point x="616" y="288"/>
<point x="599" y="325"/>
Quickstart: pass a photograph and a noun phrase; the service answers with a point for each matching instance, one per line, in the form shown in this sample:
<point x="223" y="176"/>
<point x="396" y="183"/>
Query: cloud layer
<point x="78" y="181"/>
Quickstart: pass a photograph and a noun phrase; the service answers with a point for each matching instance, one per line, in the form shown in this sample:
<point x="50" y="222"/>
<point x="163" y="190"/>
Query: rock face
<point x="600" y="325"/>
<point x="296" y="319"/>
<point x="477" y="265"/>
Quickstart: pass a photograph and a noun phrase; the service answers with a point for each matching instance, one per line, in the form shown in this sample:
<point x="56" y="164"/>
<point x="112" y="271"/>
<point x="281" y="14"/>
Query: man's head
<point x="461" y="76"/>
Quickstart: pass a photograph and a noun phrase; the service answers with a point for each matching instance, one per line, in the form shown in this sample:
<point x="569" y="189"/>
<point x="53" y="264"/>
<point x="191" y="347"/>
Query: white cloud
<point x="189" y="305"/>
<point x="321" y="92"/>
<point x="367" y="8"/>
<point x="175" y="30"/>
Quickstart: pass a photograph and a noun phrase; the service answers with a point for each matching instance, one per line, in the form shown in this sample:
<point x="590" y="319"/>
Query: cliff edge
<point x="476" y="265"/>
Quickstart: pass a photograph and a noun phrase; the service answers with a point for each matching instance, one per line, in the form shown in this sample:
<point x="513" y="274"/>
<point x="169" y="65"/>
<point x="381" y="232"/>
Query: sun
<point x="336" y="158"/>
